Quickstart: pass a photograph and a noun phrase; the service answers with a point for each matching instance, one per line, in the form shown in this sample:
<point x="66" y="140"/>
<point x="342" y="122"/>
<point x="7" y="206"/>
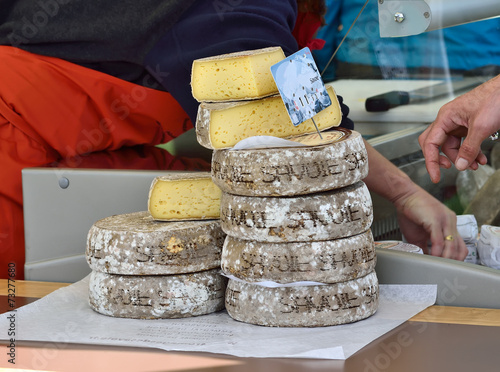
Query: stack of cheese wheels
<point x="299" y="250"/>
<point x="161" y="263"/>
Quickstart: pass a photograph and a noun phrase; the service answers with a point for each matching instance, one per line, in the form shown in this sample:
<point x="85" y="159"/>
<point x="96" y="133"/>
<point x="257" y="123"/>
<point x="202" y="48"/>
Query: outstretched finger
<point x="470" y="150"/>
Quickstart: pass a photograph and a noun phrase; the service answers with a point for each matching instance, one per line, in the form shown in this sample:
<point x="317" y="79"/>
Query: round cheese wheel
<point x="322" y="216"/>
<point x="303" y="306"/>
<point x="157" y="296"/>
<point x="327" y="261"/>
<point x="339" y="160"/>
<point x="135" y="244"/>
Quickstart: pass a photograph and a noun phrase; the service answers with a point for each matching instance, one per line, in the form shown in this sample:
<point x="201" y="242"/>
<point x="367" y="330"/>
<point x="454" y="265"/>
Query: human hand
<point x="422" y="218"/>
<point x="475" y="116"/>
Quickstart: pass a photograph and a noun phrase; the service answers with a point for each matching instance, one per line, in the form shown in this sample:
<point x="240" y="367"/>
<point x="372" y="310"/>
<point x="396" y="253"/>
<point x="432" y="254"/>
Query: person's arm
<point x="421" y="217"/>
<point x="475" y="116"/>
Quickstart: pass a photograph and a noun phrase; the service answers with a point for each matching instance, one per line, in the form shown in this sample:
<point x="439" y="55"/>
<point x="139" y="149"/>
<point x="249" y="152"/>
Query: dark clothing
<point x="109" y="36"/>
<point x="148" y="42"/>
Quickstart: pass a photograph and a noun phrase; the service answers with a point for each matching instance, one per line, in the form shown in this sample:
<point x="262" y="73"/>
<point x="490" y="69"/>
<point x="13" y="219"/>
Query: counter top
<point x="440" y="338"/>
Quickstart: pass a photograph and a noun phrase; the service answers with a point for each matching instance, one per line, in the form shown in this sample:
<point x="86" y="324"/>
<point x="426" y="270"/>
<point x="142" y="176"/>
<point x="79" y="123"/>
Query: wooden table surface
<point x="434" y="314"/>
<point x="437" y="339"/>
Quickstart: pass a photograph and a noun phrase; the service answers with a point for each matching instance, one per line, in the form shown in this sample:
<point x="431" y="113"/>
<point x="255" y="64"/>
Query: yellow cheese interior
<point x="266" y="117"/>
<point x="247" y="76"/>
<point x="184" y="199"/>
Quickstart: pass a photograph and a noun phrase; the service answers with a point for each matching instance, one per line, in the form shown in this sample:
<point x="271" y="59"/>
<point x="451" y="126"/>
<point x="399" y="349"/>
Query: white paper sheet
<point x="64" y="316"/>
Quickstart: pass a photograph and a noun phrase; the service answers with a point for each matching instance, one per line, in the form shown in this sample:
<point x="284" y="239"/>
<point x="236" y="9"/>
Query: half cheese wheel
<point x="184" y="196"/>
<point x="223" y="125"/>
<point x="235" y="76"/>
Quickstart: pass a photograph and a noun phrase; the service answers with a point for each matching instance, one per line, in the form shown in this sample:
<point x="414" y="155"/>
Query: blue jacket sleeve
<point x="213" y="28"/>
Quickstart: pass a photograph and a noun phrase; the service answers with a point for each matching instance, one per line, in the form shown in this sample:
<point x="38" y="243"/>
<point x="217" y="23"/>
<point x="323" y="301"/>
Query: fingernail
<point x="461" y="164"/>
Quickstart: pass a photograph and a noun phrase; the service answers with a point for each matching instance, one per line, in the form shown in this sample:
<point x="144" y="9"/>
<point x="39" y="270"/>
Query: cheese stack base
<point x="299" y="217"/>
<point x="303" y="306"/>
<point x="148" y="269"/>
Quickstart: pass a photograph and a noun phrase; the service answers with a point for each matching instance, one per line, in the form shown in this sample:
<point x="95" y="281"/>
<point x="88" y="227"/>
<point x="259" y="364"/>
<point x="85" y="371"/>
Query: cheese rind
<point x="135" y="244"/>
<point x="327" y="261"/>
<point x="184" y="196"/>
<point x="235" y="76"/>
<point x="157" y="296"/>
<point x="291" y="170"/>
<point x="322" y="216"/>
<point x="303" y="306"/>
<point x="223" y="125"/>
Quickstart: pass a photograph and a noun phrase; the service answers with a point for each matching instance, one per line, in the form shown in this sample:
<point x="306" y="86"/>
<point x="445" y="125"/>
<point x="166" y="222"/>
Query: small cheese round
<point x="136" y="244"/>
<point x="327" y="261"/>
<point x="299" y="170"/>
<point x="303" y="306"/>
<point x="322" y="216"/>
<point x="157" y="296"/>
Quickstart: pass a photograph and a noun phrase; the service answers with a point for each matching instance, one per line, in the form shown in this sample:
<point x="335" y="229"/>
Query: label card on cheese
<point x="300" y="86"/>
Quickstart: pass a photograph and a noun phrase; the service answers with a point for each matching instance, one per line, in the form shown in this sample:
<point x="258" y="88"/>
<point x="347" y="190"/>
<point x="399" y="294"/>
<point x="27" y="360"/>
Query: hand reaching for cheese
<point x="422" y="218"/>
<point x="473" y="116"/>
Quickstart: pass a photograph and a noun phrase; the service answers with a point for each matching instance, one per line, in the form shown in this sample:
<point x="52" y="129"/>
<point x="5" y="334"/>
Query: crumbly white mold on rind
<point x="322" y="216"/>
<point x="327" y="261"/>
<point x="303" y="306"/>
<point x="157" y="296"/>
<point x="291" y="170"/>
<point x="136" y="244"/>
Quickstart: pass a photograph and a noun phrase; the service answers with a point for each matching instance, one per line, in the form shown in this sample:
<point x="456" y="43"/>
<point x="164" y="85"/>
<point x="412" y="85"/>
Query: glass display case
<point x="395" y="86"/>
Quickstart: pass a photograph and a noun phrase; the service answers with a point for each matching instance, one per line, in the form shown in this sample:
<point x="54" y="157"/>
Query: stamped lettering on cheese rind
<point x="303" y="306"/>
<point x="322" y="216"/>
<point x="291" y="171"/>
<point x="157" y="296"/>
<point x="135" y="244"/>
<point x="328" y="261"/>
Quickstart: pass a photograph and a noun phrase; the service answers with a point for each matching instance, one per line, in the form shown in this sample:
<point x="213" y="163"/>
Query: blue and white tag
<point x="300" y="85"/>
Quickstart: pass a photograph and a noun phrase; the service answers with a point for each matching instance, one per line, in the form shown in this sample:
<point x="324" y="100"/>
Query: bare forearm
<point x="421" y="216"/>
<point x="385" y="179"/>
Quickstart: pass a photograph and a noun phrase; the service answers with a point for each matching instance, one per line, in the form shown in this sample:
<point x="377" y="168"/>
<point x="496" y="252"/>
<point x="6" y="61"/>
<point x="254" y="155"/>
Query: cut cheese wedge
<point x="235" y="76"/>
<point x="223" y="125"/>
<point x="184" y="196"/>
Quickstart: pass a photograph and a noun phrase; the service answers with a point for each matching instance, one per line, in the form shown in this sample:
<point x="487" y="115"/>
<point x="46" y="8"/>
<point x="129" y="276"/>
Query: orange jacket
<point x="53" y="110"/>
